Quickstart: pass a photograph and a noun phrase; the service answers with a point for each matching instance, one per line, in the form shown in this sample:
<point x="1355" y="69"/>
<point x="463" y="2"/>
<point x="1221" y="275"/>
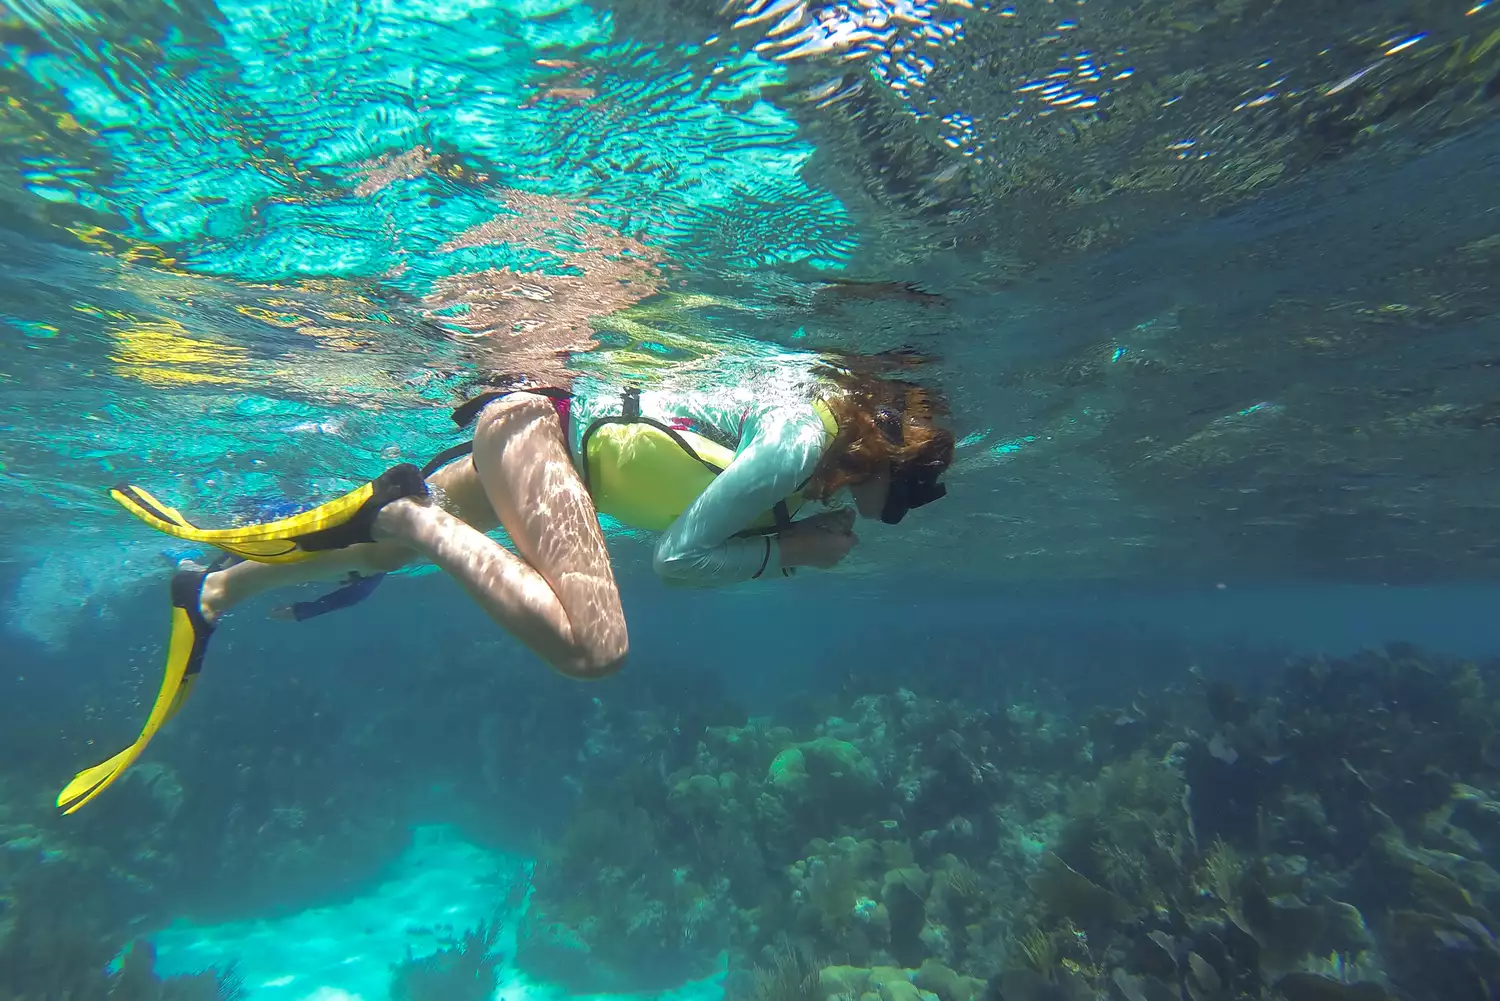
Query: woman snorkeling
<point x="720" y="475"/>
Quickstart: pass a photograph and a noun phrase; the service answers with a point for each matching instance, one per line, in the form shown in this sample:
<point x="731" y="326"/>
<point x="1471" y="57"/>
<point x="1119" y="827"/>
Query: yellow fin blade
<point x="173" y="684"/>
<point x="91" y="777"/>
<point x="343" y="521"/>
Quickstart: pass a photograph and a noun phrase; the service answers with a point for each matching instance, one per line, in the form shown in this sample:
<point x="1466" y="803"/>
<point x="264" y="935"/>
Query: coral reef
<point x="1332" y="839"/>
<point x="1332" y="835"/>
<point x="52" y="959"/>
<point x="791" y="975"/>
<point x="463" y="969"/>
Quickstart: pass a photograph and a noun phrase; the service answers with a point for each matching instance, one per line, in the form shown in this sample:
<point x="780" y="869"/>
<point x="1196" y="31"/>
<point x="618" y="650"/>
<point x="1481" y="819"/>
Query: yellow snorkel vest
<point x="644" y="473"/>
<point x="639" y="471"/>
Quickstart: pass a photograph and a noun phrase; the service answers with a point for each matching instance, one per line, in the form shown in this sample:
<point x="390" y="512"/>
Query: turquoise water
<point x="1210" y="288"/>
<point x="231" y="225"/>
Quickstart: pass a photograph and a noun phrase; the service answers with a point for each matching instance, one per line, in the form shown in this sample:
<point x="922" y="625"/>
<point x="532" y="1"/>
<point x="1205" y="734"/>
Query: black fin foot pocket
<point x="395" y="483"/>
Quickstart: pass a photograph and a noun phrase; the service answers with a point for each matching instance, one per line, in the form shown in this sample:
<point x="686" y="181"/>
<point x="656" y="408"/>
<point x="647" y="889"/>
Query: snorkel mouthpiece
<point x="910" y="489"/>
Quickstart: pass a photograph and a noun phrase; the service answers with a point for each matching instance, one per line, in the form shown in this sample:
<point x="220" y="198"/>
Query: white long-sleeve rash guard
<point x="780" y="443"/>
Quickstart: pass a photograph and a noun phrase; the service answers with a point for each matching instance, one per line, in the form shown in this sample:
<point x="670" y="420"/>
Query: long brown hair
<point x="880" y="421"/>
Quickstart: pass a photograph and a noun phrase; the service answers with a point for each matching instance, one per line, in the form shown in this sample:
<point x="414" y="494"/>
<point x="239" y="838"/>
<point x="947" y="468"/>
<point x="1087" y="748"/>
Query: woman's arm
<point x="782" y="449"/>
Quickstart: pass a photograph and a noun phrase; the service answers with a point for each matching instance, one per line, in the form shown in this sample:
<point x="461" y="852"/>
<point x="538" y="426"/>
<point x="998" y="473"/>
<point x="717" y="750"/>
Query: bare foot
<point x="393" y="522"/>
<point x="211" y="598"/>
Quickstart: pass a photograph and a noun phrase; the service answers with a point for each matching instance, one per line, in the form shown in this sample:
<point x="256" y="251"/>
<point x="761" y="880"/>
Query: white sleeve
<point x="780" y="449"/>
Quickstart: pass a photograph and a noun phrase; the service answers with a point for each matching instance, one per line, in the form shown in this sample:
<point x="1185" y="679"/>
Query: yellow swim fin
<point x="190" y="633"/>
<point x="342" y="522"/>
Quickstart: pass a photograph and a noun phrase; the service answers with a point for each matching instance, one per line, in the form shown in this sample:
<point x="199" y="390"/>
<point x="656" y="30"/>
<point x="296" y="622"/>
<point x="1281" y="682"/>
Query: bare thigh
<point x="521" y="459"/>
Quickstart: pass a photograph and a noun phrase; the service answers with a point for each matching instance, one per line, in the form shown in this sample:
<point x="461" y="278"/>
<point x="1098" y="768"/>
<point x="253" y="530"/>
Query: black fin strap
<point x="400" y="481"/>
<point x="630" y="402"/>
<point x="187" y="594"/>
<point x="446" y="456"/>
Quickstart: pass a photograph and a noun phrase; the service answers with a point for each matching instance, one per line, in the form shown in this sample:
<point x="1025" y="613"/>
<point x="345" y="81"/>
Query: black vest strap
<point x="446" y="456"/>
<point x="468" y="411"/>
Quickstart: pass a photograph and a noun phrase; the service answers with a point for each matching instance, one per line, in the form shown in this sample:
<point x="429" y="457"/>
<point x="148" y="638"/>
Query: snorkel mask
<point x="913" y="483"/>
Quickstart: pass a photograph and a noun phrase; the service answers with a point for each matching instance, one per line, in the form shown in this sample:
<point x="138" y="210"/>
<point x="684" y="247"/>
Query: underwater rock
<point x="697" y="795"/>
<point x="788" y="772"/>
<point x="1147" y="988"/>
<point x="939" y="943"/>
<point x="1452" y="957"/>
<point x="1314" y="987"/>
<point x="1227" y="793"/>
<point x="1156" y="954"/>
<point x="962" y="908"/>
<point x="824" y="784"/>
<point x="1303" y="821"/>
<point x="1440" y="879"/>
<point x="1067" y="893"/>
<point x="844" y="981"/>
<point x="790" y="974"/>
<point x="892" y="984"/>
<point x="164" y="785"/>
<point x="876" y="916"/>
<point x="1202" y="980"/>
<point x="556" y="953"/>
<point x="958" y="834"/>
<point x="49" y="968"/>
<point x="1029" y="985"/>
<point x="946" y="984"/>
<point x="1451" y="828"/>
<point x="462" y="970"/>
<point x="910" y="876"/>
<point x="1225" y="703"/>
<point x="949" y="784"/>
<point x="839" y="758"/>
<point x="961" y="891"/>
<point x="1287" y="929"/>
<point x="882" y="983"/>
<point x="838" y="764"/>
<point x="908" y="917"/>
<point x="838" y="896"/>
<point x="1117" y="734"/>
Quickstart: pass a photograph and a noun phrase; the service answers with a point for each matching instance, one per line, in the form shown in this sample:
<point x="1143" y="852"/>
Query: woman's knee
<point x="509" y="413"/>
<point x="600" y="656"/>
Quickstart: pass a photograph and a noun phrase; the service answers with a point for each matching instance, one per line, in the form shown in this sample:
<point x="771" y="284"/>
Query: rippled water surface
<point x="1210" y="285"/>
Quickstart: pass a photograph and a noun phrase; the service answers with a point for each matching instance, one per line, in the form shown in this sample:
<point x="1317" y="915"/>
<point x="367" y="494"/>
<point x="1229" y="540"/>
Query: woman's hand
<point x="820" y="541"/>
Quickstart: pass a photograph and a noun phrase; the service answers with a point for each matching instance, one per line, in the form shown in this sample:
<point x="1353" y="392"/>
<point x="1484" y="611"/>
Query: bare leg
<point x="223" y="589"/>
<point x="558" y="597"/>
<point x="463" y="495"/>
